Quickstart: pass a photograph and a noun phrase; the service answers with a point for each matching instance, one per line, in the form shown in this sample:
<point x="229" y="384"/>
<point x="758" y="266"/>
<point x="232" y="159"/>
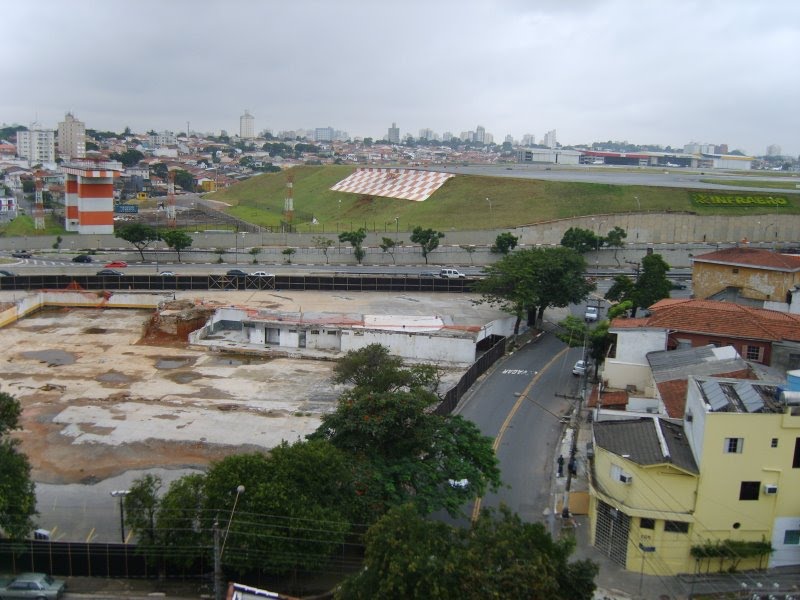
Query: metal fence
<point x="353" y="283"/>
<point x="497" y="348"/>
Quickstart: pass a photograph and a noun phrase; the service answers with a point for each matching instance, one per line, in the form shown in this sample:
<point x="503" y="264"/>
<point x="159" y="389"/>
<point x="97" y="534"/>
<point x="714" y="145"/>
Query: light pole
<point x="218" y="583"/>
<point x="396" y="228"/>
<point x="121" y="495"/>
<point x="244" y="233"/>
<point x="491" y="214"/>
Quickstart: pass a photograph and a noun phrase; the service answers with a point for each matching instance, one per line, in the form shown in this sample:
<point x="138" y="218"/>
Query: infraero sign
<point x="736" y="200"/>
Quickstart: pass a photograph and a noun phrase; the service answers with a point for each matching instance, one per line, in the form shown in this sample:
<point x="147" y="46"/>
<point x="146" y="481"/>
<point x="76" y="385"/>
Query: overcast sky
<point x="670" y="72"/>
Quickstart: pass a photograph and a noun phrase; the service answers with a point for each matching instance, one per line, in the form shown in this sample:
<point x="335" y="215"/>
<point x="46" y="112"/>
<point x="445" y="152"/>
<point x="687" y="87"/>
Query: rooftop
<point x="751" y="257"/>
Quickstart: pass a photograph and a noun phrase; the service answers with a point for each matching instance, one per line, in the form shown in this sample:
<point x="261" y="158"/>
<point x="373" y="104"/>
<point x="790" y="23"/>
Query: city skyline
<point x="714" y="72"/>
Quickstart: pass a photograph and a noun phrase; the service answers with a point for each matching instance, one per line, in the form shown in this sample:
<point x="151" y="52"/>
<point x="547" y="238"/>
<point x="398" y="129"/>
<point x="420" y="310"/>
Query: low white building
<point x="425" y="339"/>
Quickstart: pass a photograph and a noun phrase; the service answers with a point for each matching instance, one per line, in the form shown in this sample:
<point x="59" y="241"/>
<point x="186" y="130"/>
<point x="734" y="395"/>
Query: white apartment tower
<point x="71" y="138"/>
<point x="773" y="150"/>
<point x="37" y="145"/>
<point x="247" y="126"/>
<point x="480" y="134"/>
<point x="550" y="139"/>
<point x="394" y="134"/>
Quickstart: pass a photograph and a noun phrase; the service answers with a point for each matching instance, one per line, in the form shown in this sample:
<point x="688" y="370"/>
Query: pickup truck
<point x="39" y="586"/>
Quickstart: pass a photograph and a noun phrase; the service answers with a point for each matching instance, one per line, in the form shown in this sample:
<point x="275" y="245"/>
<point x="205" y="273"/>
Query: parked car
<point x="591" y="313"/>
<point x="109" y="273"/>
<point x="236" y="273"/>
<point x="261" y="274"/>
<point x="4" y="273"/>
<point x="116" y="264"/>
<point x="451" y="274"/>
<point x="678" y="285"/>
<point x="579" y="368"/>
<point x="82" y="258"/>
<point x="33" y="585"/>
<point x="167" y="274"/>
<point x="21" y="254"/>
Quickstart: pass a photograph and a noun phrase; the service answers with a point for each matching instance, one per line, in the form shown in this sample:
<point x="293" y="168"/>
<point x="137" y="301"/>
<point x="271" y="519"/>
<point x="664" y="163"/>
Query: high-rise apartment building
<point x="323" y="134"/>
<point x="550" y="139"/>
<point x="71" y="138"/>
<point x="480" y="134"/>
<point x="426" y="134"/>
<point x="247" y="126"/>
<point x="528" y="139"/>
<point x="37" y="145"/>
<point x="165" y="138"/>
<point x="394" y="134"/>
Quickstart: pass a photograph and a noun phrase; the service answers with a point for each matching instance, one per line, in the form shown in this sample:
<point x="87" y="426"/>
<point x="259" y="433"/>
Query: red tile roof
<point x="673" y="392"/>
<point x="752" y="257"/>
<point x="724" y="319"/>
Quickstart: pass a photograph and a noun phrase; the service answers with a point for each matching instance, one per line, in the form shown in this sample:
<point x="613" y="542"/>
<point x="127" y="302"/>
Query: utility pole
<point x="217" y="564"/>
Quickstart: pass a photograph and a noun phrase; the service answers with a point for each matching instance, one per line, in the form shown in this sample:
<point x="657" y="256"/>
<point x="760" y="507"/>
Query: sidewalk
<point x="615" y="583"/>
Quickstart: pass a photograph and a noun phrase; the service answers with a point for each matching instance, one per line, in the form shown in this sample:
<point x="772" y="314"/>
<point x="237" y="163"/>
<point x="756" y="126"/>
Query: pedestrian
<point x="573" y="466"/>
<point x="560" y="466"/>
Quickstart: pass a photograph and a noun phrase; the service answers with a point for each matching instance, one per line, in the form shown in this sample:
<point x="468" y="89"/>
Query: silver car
<point x="33" y="585"/>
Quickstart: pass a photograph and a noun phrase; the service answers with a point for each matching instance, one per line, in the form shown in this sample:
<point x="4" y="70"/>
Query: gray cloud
<point x="669" y="73"/>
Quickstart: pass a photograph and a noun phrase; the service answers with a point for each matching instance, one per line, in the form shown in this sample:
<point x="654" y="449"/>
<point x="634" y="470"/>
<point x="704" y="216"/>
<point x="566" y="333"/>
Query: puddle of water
<point x="185" y="377"/>
<point x="53" y="358"/>
<point x="174" y="362"/>
<point x="113" y="377"/>
<point x="94" y="330"/>
<point x="234" y="361"/>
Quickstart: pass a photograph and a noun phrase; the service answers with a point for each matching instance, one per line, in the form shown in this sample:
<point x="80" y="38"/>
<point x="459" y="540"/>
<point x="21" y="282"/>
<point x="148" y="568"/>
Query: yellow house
<point x="748" y="273"/>
<point x="665" y="494"/>
<point x="207" y="185"/>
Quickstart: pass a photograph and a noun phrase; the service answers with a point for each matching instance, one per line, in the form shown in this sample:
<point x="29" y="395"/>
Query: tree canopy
<point x="356" y="239"/>
<point x="504" y="243"/>
<point x="17" y="490"/>
<point x="529" y="281"/>
<point x="499" y="557"/>
<point x="140" y="235"/>
<point x="581" y="240"/>
<point x="650" y="285"/>
<point x="428" y="239"/>
<point x="177" y="240"/>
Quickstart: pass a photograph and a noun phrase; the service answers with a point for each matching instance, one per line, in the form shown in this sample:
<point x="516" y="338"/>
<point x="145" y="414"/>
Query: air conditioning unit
<point x="770" y="489"/>
<point x="625" y="478"/>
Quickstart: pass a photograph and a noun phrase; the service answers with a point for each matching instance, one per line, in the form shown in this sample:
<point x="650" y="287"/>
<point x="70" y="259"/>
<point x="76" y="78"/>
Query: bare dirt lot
<point x="99" y="399"/>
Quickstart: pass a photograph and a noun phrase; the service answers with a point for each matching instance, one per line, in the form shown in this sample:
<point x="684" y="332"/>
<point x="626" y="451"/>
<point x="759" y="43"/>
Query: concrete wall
<point x="421" y="347"/>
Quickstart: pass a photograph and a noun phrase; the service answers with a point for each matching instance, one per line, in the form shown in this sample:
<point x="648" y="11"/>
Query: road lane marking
<point x="476" y="509"/>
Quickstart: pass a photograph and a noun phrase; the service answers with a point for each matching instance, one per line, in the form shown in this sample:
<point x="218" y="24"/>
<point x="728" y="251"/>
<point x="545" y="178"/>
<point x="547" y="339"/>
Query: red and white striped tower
<point x="89" y="195"/>
<point x="38" y="207"/>
<point x="172" y="219"/>
<point x="288" y="203"/>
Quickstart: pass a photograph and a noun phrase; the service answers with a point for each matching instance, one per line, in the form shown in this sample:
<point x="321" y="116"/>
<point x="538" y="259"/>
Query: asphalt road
<point x="521" y="404"/>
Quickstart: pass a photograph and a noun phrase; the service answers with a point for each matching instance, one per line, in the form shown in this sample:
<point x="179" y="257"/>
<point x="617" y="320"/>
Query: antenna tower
<point x="288" y="203"/>
<point x="38" y="207"/>
<point x="171" y="219"/>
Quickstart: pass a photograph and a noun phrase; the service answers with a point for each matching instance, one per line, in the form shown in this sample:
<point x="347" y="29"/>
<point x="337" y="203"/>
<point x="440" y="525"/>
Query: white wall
<point x="419" y="346"/>
<point x="634" y="344"/>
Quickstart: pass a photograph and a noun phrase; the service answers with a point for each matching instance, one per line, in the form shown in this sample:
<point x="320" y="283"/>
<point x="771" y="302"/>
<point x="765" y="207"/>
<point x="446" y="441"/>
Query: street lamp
<point x="121" y="495"/>
<point x="491" y="214"/>
<point x="396" y="228"/>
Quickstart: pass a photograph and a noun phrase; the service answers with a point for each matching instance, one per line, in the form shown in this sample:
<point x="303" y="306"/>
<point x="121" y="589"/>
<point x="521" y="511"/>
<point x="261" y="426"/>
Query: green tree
<point x="324" y="244"/>
<point x="140" y="235"/>
<point x="581" y="240"/>
<point x="400" y="450"/>
<point x="372" y="368"/>
<point x="184" y="180"/>
<point x="469" y="249"/>
<point x="499" y="557"/>
<point x="387" y="245"/>
<point x="160" y="170"/>
<point x="505" y="243"/>
<point x="428" y="239"/>
<point x="529" y="281"/>
<point x="254" y="252"/>
<point x="141" y="506"/>
<point x="129" y="158"/>
<point x="288" y="253"/>
<point x="650" y="286"/>
<point x="180" y="532"/>
<point x="615" y="239"/>
<point x="356" y="239"/>
<point x="17" y="490"/>
<point x="177" y="240"/>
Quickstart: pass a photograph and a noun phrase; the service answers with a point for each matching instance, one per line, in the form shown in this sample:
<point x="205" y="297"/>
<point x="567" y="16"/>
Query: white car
<point x="451" y="274"/>
<point x="261" y="274"/>
<point x="591" y="313"/>
<point x="579" y="368"/>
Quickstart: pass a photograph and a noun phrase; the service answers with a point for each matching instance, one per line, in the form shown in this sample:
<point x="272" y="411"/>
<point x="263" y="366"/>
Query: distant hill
<point x="460" y="204"/>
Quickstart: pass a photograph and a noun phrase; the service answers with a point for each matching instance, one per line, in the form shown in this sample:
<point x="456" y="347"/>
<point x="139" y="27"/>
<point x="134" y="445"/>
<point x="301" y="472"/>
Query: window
<point x="735" y="270"/>
<point x="791" y="537"/>
<point x="676" y="526"/>
<point x="749" y="490"/>
<point x="796" y="459"/>
<point x="752" y="353"/>
<point x="734" y="445"/>
<point x="774" y="443"/>
<point x="647" y="523"/>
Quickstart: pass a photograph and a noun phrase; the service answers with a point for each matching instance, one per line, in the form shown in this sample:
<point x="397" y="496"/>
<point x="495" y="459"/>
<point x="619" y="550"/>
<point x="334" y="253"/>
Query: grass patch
<point x="460" y="204"/>
<point x="23" y="226"/>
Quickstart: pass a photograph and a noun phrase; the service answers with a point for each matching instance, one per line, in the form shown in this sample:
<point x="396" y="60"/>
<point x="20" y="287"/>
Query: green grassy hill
<point x="459" y="204"/>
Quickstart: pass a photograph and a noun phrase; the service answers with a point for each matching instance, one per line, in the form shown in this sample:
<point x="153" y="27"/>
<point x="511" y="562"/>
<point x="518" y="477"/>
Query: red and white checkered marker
<point x="407" y="184"/>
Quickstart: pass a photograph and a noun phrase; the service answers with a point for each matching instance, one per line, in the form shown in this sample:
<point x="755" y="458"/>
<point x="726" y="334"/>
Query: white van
<point x="451" y="274"/>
